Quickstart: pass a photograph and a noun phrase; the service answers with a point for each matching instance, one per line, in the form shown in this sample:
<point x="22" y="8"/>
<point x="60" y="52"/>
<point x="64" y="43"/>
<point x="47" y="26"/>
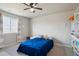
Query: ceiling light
<point x="32" y="6"/>
<point x="32" y="9"/>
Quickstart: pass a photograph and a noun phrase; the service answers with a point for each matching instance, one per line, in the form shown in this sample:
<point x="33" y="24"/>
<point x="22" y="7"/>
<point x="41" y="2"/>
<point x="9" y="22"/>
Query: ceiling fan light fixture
<point x="32" y="9"/>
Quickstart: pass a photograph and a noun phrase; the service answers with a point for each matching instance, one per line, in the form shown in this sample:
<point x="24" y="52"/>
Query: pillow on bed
<point x="45" y="37"/>
<point x="36" y="36"/>
<point x="50" y="38"/>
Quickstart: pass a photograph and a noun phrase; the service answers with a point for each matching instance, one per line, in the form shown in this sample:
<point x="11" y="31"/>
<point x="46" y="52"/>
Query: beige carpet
<point x="56" y="51"/>
<point x="61" y="51"/>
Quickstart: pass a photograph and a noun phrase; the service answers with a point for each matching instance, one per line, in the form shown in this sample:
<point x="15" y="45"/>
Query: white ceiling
<point x="48" y="8"/>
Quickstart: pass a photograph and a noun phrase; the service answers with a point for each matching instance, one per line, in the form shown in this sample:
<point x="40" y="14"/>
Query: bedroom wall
<point x="24" y="25"/>
<point x="56" y="25"/>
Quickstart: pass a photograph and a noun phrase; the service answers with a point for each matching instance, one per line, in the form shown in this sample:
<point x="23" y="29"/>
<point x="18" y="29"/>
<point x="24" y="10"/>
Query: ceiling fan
<point x="32" y="7"/>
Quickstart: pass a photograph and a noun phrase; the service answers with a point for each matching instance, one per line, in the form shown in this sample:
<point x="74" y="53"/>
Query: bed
<point x="36" y="47"/>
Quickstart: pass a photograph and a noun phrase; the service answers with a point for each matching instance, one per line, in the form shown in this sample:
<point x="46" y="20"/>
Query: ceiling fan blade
<point x="38" y="8"/>
<point x="26" y="8"/>
<point x="36" y="4"/>
<point x="25" y="4"/>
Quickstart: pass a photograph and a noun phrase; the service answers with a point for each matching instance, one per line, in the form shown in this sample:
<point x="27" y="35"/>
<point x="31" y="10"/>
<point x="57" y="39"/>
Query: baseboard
<point x="65" y="45"/>
<point x="7" y="45"/>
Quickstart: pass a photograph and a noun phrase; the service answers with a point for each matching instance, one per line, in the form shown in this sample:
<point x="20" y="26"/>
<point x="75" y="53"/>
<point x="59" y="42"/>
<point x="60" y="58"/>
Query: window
<point x="10" y="24"/>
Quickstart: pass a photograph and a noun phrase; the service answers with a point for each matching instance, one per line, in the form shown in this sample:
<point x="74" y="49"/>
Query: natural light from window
<point x="10" y="24"/>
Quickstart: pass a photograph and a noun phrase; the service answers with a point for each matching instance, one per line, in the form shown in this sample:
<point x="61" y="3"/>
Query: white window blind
<point x="10" y="24"/>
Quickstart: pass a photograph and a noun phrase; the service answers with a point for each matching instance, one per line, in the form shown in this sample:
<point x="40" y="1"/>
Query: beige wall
<point x="56" y="25"/>
<point x="24" y="25"/>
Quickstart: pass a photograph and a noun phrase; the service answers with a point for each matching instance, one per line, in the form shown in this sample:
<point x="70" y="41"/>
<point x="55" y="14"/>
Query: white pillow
<point x="36" y="36"/>
<point x="50" y="38"/>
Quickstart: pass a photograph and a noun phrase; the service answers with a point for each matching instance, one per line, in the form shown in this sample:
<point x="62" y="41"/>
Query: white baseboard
<point x="65" y="45"/>
<point x="7" y="45"/>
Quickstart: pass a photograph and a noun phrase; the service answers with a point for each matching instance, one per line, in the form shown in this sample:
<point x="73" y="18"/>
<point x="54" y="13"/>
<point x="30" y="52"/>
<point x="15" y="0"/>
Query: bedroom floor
<point x="56" y="51"/>
<point x="61" y="51"/>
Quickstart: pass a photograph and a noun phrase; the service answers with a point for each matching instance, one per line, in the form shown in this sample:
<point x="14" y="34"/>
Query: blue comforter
<point x="36" y="47"/>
